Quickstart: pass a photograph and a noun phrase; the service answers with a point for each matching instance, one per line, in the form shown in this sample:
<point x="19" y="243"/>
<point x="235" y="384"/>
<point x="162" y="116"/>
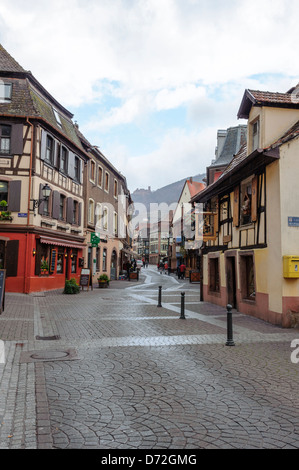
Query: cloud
<point x="137" y="61"/>
<point x="178" y="155"/>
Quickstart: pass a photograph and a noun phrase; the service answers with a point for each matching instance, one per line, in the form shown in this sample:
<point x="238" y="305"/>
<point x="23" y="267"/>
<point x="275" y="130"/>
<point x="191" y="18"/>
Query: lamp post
<point x="46" y="191"/>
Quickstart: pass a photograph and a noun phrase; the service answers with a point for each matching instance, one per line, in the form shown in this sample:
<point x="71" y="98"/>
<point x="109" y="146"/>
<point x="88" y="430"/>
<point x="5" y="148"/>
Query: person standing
<point x="182" y="269"/>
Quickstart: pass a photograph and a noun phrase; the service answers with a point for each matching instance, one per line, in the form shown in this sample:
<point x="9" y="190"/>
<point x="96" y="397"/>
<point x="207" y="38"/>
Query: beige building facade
<point x="251" y="215"/>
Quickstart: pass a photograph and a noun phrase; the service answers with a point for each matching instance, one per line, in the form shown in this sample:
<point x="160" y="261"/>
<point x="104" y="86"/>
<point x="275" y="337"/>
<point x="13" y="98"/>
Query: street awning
<point x="60" y="242"/>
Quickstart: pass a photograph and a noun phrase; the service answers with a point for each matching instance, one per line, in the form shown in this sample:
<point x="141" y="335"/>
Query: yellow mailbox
<point x="291" y="266"/>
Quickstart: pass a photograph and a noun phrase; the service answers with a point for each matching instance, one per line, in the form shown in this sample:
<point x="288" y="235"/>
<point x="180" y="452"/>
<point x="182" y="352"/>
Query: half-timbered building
<point x="41" y="184"/>
<point x="250" y="251"/>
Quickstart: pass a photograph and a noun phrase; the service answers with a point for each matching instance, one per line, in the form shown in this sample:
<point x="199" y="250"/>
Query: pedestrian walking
<point x="166" y="267"/>
<point x="182" y="270"/>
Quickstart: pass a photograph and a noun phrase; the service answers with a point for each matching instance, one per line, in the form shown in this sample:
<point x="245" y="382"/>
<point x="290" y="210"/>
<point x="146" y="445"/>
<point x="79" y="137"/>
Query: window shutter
<point x="69" y="210"/>
<point x="71" y="165"/>
<point x="55" y="204"/>
<point x="236" y="207"/>
<point x="40" y="196"/>
<point x="43" y="144"/>
<point x="12" y="255"/>
<point x="14" y="196"/>
<point x="254" y="199"/>
<point x="56" y="162"/>
<point x="17" y="139"/>
<point x="79" y="213"/>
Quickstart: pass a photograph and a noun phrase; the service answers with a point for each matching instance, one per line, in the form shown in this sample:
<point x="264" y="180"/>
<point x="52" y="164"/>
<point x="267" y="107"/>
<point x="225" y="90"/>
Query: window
<point x="115" y="188"/>
<point x="100" y="176"/>
<point x="62" y="200"/>
<point x="57" y="117"/>
<point x="46" y="206"/>
<point x="98" y="259"/>
<point x="5" y="139"/>
<point x="77" y="168"/>
<point x="49" y="149"/>
<point x="75" y="212"/>
<point x="63" y="159"/>
<point x="92" y="170"/>
<point x="74" y="257"/>
<point x="247" y="277"/>
<point x="255" y="135"/>
<point x="60" y="258"/>
<point x="5" y="92"/>
<point x="91" y="211"/>
<point x="104" y="259"/>
<point x="98" y="215"/>
<point x="3" y="191"/>
<point x="214" y="280"/>
<point x="115" y="223"/>
<point x="106" y="181"/>
<point x="246" y="193"/>
<point x="105" y="218"/>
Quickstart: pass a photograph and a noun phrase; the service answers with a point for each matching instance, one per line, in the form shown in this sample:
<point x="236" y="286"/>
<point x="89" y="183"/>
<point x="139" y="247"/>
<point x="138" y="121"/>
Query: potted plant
<point x="103" y="280"/>
<point x="71" y="286"/>
<point x="44" y="266"/>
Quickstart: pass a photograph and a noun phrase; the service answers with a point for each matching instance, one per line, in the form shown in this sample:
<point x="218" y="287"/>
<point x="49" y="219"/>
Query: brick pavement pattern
<point x="107" y="369"/>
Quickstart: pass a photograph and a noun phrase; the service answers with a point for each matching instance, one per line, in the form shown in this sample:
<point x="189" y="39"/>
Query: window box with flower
<point x="4" y="213"/>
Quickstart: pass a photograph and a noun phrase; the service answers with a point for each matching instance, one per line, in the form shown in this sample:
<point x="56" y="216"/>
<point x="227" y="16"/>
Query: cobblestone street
<point x="108" y="369"/>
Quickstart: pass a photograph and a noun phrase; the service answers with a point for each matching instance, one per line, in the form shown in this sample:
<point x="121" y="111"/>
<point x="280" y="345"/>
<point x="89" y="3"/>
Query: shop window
<point x="74" y="257"/>
<point x="60" y="259"/>
<point x="214" y="278"/>
<point x="247" y="277"/>
<point x="5" y="139"/>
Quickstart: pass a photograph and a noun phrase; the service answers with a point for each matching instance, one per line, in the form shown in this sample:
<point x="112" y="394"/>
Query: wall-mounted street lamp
<point x="46" y="191"/>
<point x="33" y="252"/>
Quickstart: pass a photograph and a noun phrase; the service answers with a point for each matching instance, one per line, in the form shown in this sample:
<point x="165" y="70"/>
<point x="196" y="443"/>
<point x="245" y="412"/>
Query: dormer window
<point x="57" y="117"/>
<point x="5" y="92"/>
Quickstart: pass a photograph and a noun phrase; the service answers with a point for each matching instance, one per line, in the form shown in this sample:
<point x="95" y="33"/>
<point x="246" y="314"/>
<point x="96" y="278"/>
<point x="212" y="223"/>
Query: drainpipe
<point x="27" y="254"/>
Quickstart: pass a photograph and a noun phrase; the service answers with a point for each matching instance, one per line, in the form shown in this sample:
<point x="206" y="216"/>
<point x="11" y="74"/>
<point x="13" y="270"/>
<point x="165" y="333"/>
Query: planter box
<point x="103" y="284"/>
<point x="134" y="276"/>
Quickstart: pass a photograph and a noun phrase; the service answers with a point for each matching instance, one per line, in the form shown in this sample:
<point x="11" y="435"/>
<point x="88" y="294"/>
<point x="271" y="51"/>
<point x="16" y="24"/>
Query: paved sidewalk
<point x="109" y="369"/>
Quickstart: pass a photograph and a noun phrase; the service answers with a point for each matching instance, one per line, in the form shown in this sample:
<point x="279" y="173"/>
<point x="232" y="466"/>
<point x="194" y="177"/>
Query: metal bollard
<point x="182" y="317"/>
<point x="160" y="297"/>
<point x="230" y="341"/>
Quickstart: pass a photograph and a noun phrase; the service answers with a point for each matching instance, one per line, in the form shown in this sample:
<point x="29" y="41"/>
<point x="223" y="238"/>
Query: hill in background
<point x="168" y="194"/>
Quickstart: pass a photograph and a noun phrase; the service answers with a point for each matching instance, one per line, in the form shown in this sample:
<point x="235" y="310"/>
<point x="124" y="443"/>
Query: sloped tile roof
<point x="8" y="63"/>
<point x="235" y="138"/>
<point x="29" y="98"/>
<point x="267" y="98"/>
<point x="195" y="187"/>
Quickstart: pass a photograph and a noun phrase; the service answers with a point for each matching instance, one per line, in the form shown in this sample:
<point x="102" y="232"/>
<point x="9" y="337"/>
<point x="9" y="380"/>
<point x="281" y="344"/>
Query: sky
<point x="151" y="81"/>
